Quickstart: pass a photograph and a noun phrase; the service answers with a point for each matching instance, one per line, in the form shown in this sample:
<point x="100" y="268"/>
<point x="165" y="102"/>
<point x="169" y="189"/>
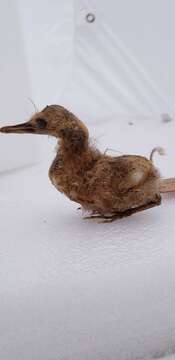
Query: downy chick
<point x="109" y="187"/>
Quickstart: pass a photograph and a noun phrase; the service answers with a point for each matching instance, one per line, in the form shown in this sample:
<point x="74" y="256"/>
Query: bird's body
<point x="109" y="187"/>
<point x="103" y="184"/>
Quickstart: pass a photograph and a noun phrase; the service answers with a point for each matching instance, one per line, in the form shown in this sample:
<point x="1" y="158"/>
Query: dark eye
<point x="41" y="123"/>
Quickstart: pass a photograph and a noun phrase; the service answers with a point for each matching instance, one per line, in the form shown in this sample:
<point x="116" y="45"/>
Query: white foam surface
<point x="77" y="289"/>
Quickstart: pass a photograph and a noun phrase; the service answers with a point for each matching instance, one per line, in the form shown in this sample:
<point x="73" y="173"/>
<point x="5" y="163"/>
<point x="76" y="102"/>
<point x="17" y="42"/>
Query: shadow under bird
<point x="109" y="187"/>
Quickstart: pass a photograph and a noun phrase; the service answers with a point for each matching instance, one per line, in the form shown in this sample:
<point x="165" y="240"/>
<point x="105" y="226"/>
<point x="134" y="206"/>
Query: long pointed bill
<point x="18" y="129"/>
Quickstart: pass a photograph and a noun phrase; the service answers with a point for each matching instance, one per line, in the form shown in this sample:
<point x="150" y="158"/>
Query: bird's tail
<point x="167" y="185"/>
<point x="157" y="149"/>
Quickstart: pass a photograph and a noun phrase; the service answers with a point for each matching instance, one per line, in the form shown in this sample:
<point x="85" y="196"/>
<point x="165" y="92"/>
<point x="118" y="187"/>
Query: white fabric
<point x="122" y="63"/>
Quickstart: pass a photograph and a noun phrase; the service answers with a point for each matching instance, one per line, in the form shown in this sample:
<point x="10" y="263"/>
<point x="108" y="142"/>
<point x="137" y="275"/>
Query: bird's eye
<point x="41" y="123"/>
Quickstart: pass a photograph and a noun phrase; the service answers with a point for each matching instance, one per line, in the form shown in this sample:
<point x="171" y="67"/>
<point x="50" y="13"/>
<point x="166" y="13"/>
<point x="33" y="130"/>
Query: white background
<point x="71" y="289"/>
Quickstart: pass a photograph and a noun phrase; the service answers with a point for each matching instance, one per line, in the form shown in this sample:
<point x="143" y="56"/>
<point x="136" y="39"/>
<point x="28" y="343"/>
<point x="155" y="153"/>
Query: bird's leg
<point x="99" y="216"/>
<point x="120" y="215"/>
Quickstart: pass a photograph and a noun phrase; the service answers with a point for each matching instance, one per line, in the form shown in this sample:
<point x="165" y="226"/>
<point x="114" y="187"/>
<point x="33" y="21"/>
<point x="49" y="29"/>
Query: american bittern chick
<point x="109" y="187"/>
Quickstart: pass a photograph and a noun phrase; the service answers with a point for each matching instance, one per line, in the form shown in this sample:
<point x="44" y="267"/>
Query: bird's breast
<point x="65" y="178"/>
<point x="57" y="173"/>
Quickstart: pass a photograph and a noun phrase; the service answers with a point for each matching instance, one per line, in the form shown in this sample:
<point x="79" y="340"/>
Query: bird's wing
<point x="129" y="171"/>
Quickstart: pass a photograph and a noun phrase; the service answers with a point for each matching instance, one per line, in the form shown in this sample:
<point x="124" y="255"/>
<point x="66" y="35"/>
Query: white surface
<point x="76" y="289"/>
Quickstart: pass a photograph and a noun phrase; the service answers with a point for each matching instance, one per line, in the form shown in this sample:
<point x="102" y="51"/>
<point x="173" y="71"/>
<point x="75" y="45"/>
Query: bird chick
<point x="109" y="187"/>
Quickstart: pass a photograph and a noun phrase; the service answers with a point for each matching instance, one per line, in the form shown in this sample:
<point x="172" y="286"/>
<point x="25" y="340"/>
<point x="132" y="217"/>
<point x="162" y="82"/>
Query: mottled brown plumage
<point x="110" y="187"/>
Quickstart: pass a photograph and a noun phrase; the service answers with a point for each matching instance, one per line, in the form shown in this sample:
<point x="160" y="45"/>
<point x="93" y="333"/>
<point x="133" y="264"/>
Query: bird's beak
<point x="18" y="129"/>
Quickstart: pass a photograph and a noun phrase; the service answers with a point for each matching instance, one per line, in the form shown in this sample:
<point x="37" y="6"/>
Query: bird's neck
<point x="83" y="159"/>
<point x="71" y="156"/>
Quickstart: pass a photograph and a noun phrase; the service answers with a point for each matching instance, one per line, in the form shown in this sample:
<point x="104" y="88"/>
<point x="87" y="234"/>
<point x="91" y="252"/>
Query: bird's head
<point x="53" y="120"/>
